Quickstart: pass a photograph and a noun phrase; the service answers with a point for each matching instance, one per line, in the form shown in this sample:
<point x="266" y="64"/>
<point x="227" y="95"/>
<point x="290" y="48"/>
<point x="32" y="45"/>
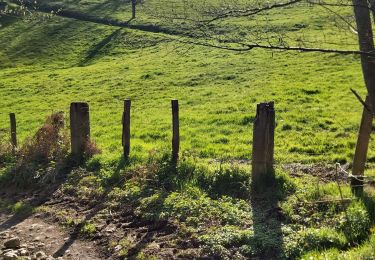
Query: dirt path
<point x="48" y="240"/>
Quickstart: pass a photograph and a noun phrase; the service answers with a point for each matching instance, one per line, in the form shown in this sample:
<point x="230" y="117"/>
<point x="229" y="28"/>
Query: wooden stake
<point x="13" y="131"/>
<point x="263" y="146"/>
<point x="79" y="128"/>
<point x="359" y="161"/>
<point x="176" y="130"/>
<point x="134" y="4"/>
<point x="126" y="128"/>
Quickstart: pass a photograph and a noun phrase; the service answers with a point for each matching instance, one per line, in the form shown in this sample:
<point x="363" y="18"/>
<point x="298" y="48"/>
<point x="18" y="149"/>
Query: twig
<point x="360" y="100"/>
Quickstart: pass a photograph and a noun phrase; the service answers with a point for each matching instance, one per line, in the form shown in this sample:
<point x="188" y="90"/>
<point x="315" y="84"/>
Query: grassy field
<point x="47" y="63"/>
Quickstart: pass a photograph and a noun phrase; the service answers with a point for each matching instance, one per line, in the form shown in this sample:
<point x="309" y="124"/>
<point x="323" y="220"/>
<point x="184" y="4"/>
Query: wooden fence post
<point x="134" y="4"/>
<point x="263" y="146"/>
<point x="79" y="127"/>
<point x="13" y="131"/>
<point x="126" y="128"/>
<point x="359" y="161"/>
<point x="176" y="131"/>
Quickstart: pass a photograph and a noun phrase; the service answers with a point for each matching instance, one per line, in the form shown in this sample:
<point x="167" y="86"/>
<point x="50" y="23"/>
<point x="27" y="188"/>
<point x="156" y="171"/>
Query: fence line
<point x="263" y="138"/>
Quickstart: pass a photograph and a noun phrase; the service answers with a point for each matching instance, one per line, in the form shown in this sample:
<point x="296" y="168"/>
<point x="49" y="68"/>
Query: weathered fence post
<point x="13" y="131"/>
<point x="134" y="4"/>
<point x="79" y="127"/>
<point x="359" y="161"/>
<point x="176" y="130"/>
<point x="126" y="128"/>
<point x="263" y="146"/>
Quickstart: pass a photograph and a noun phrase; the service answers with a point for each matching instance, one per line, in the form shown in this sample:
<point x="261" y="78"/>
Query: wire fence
<point x="317" y="142"/>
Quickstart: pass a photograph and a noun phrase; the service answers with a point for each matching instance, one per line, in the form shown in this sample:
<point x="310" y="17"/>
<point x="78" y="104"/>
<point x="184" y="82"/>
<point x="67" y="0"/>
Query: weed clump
<point x="42" y="156"/>
<point x="50" y="143"/>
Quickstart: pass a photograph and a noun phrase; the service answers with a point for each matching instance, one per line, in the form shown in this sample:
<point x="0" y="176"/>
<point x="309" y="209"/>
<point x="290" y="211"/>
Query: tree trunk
<point x="366" y="44"/>
<point x="372" y="6"/>
<point x="361" y="149"/>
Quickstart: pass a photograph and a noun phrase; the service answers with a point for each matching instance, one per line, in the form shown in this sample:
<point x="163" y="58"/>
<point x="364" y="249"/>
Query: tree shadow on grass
<point x="95" y="50"/>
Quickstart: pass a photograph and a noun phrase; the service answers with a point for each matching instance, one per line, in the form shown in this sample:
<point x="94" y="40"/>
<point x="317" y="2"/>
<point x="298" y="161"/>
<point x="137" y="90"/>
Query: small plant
<point x="69" y="222"/>
<point x="125" y="244"/>
<point x="21" y="209"/>
<point x="88" y="228"/>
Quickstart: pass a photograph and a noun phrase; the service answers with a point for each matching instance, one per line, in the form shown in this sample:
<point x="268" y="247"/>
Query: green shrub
<point x="88" y="228"/>
<point x="355" y="223"/>
<point x="169" y="175"/>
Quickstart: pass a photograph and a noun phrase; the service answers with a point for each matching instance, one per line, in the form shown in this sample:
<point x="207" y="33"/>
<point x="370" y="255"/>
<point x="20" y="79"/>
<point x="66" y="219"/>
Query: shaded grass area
<point x="285" y="223"/>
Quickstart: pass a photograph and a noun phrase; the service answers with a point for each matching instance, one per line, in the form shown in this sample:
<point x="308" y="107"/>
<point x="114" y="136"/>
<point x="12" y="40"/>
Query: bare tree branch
<point x="251" y="11"/>
<point x="248" y="47"/>
<point x="360" y="99"/>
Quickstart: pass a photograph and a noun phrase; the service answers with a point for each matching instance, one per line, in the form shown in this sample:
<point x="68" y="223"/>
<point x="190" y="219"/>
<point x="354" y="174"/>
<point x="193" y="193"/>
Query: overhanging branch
<point x="249" y="47"/>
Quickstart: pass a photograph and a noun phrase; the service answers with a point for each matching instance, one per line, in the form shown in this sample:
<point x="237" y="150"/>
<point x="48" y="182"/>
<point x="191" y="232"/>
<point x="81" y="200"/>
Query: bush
<point x="355" y="223"/>
<point x="42" y="156"/>
<point x="50" y="143"/>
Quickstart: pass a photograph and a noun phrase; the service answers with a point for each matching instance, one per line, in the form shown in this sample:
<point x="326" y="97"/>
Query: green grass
<point x="47" y="63"/>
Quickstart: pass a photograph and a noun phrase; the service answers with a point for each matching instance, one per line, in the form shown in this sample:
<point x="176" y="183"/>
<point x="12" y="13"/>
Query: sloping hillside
<point x="202" y="207"/>
<point x="54" y="61"/>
